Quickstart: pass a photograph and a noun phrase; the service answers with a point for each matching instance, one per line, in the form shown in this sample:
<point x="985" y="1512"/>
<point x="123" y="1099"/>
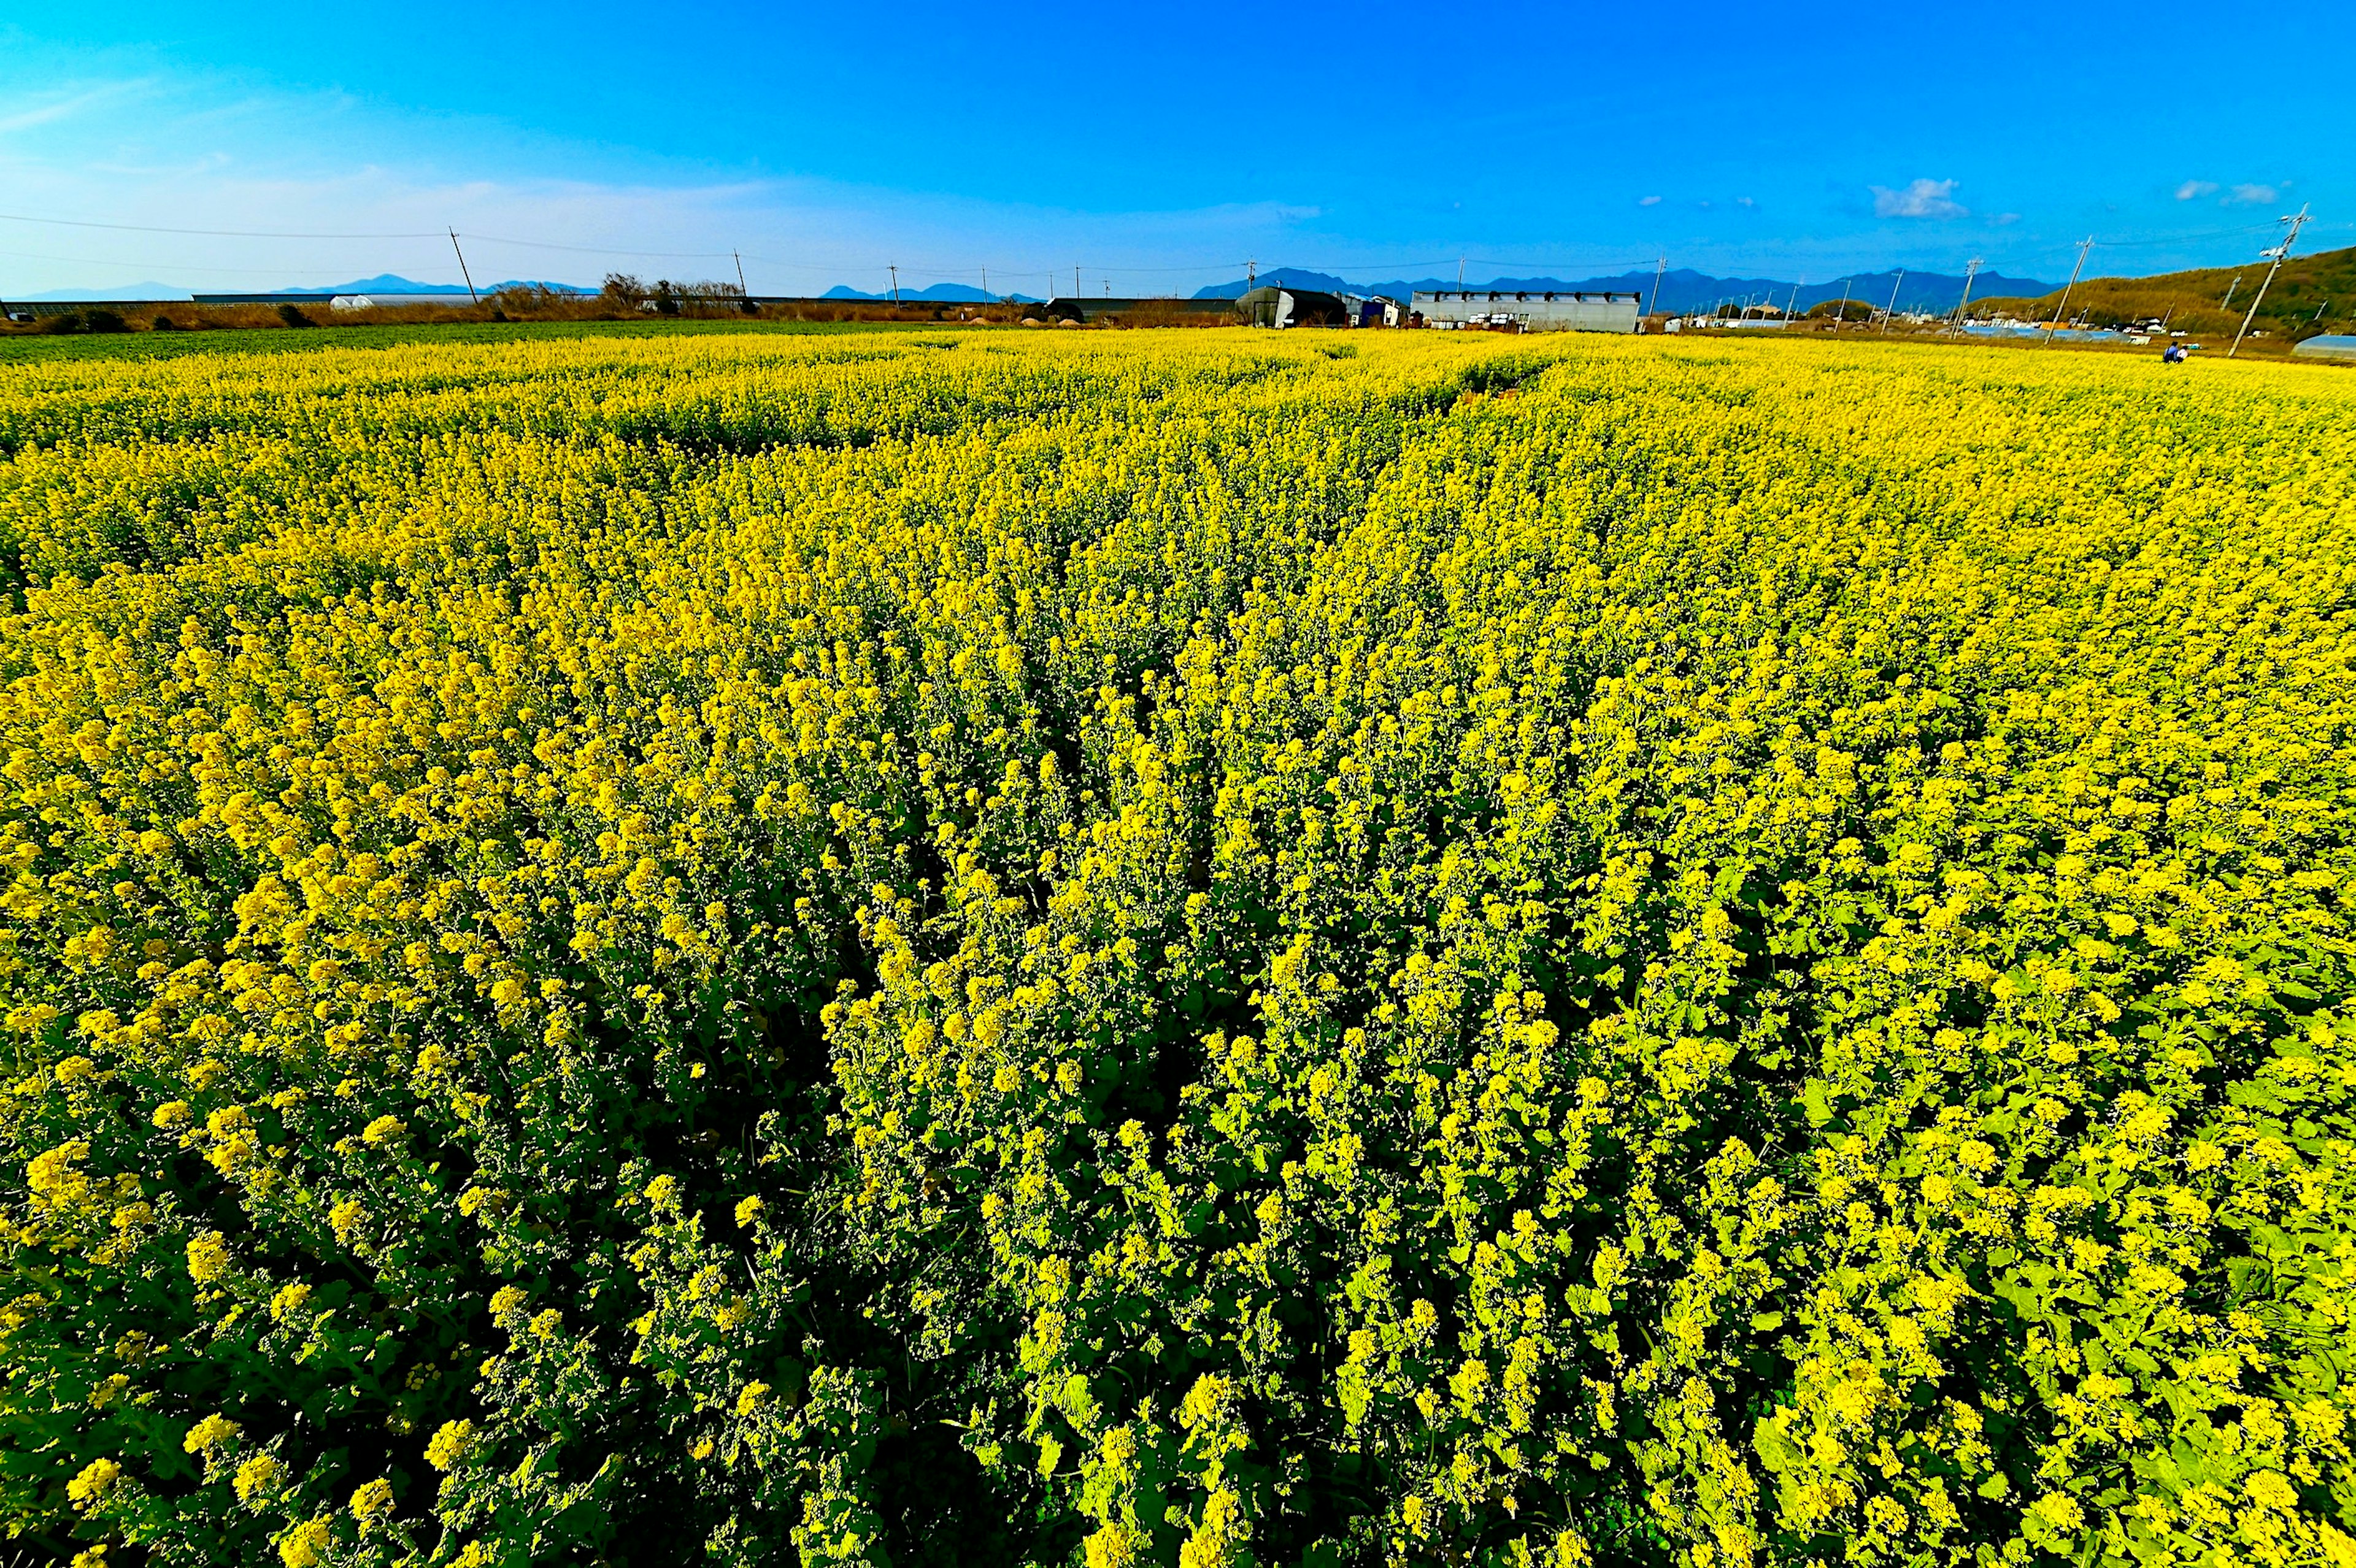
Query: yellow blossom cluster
<point x="1197" y="949"/>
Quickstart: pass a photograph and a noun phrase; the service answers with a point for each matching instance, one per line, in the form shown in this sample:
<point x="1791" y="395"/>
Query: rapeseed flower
<point x="1477" y="912"/>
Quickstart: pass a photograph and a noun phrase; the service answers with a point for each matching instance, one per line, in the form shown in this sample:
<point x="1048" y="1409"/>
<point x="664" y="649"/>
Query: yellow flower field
<point x="1206" y="949"/>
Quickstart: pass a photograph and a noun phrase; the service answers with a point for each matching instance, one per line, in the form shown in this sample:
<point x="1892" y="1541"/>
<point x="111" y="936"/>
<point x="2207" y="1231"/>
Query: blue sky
<point x="1157" y="148"/>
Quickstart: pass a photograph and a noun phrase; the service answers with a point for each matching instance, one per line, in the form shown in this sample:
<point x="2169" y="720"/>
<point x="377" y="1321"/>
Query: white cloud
<point x="2191" y="190"/>
<point x="2254" y="195"/>
<point x="1649" y="201"/>
<point x="2004" y="219"/>
<point x="1744" y="202"/>
<point x="1921" y="198"/>
<point x="18" y="116"/>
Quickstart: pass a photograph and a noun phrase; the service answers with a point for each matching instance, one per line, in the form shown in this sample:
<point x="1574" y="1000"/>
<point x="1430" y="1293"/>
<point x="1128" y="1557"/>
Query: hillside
<point x="2311" y="295"/>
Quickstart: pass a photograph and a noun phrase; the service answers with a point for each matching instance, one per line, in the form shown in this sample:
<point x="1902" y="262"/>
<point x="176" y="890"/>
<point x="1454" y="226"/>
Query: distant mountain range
<point x="395" y="284"/>
<point x="1683" y="290"/>
<point x="150" y="291"/>
<point x="382" y="284"/>
<point x="939" y="294"/>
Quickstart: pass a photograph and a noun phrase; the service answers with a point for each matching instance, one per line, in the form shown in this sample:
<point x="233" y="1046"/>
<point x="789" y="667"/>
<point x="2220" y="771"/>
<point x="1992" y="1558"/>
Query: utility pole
<point x="1892" y="311"/>
<point x="1660" y="268"/>
<point x="2083" y="246"/>
<point x="2297" y="221"/>
<point x="1075" y="280"/>
<point x="1459" y="275"/>
<point x="1251" y="274"/>
<point x="742" y="291"/>
<point x="1792" y="304"/>
<point x="471" y="295"/>
<point x="1971" y="271"/>
<point x="985" y="283"/>
<point x="2236" y="283"/>
<point x="1842" y="319"/>
<point x="895" y="282"/>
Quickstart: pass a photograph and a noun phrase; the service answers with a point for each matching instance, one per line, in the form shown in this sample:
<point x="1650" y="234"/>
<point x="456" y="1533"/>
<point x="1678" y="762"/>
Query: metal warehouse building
<point x="1530" y="310"/>
<point x="1272" y="304"/>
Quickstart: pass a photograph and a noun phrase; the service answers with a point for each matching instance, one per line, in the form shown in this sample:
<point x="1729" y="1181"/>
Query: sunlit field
<point x="1212" y="949"/>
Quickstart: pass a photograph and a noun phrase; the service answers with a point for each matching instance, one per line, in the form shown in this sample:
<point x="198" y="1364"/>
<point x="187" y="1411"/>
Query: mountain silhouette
<point x="1682" y="289"/>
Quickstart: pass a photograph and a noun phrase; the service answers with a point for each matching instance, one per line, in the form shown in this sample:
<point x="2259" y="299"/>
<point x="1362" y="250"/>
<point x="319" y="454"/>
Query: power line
<point x="2183" y="238"/>
<point x="217" y="233"/>
<point x="607" y="249"/>
<point x="737" y="258"/>
<point x="143" y="266"/>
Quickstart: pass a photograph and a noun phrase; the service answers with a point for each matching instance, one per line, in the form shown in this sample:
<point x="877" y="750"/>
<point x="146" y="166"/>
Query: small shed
<point x="2332" y="346"/>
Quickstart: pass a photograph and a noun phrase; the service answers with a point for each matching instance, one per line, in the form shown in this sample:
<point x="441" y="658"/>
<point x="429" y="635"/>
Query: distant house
<point x="2336" y="345"/>
<point x="1531" y="310"/>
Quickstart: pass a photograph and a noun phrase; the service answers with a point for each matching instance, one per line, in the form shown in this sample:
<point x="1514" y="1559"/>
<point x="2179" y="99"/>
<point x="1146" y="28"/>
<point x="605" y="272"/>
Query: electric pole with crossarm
<point x="1971" y="270"/>
<point x="2297" y="221"/>
<point x="2083" y="246"/>
<point x="471" y="295"/>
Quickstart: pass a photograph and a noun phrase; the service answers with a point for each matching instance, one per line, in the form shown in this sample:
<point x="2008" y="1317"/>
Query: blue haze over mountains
<point x="382" y="284"/>
<point x="1682" y="289"/>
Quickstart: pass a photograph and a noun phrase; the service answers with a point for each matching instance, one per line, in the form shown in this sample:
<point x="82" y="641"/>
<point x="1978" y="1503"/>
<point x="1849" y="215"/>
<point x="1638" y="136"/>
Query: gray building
<point x="1530" y="309"/>
<point x="1273" y="305"/>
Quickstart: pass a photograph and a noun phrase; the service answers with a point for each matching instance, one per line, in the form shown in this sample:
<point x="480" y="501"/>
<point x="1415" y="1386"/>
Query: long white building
<point x="1530" y="309"/>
